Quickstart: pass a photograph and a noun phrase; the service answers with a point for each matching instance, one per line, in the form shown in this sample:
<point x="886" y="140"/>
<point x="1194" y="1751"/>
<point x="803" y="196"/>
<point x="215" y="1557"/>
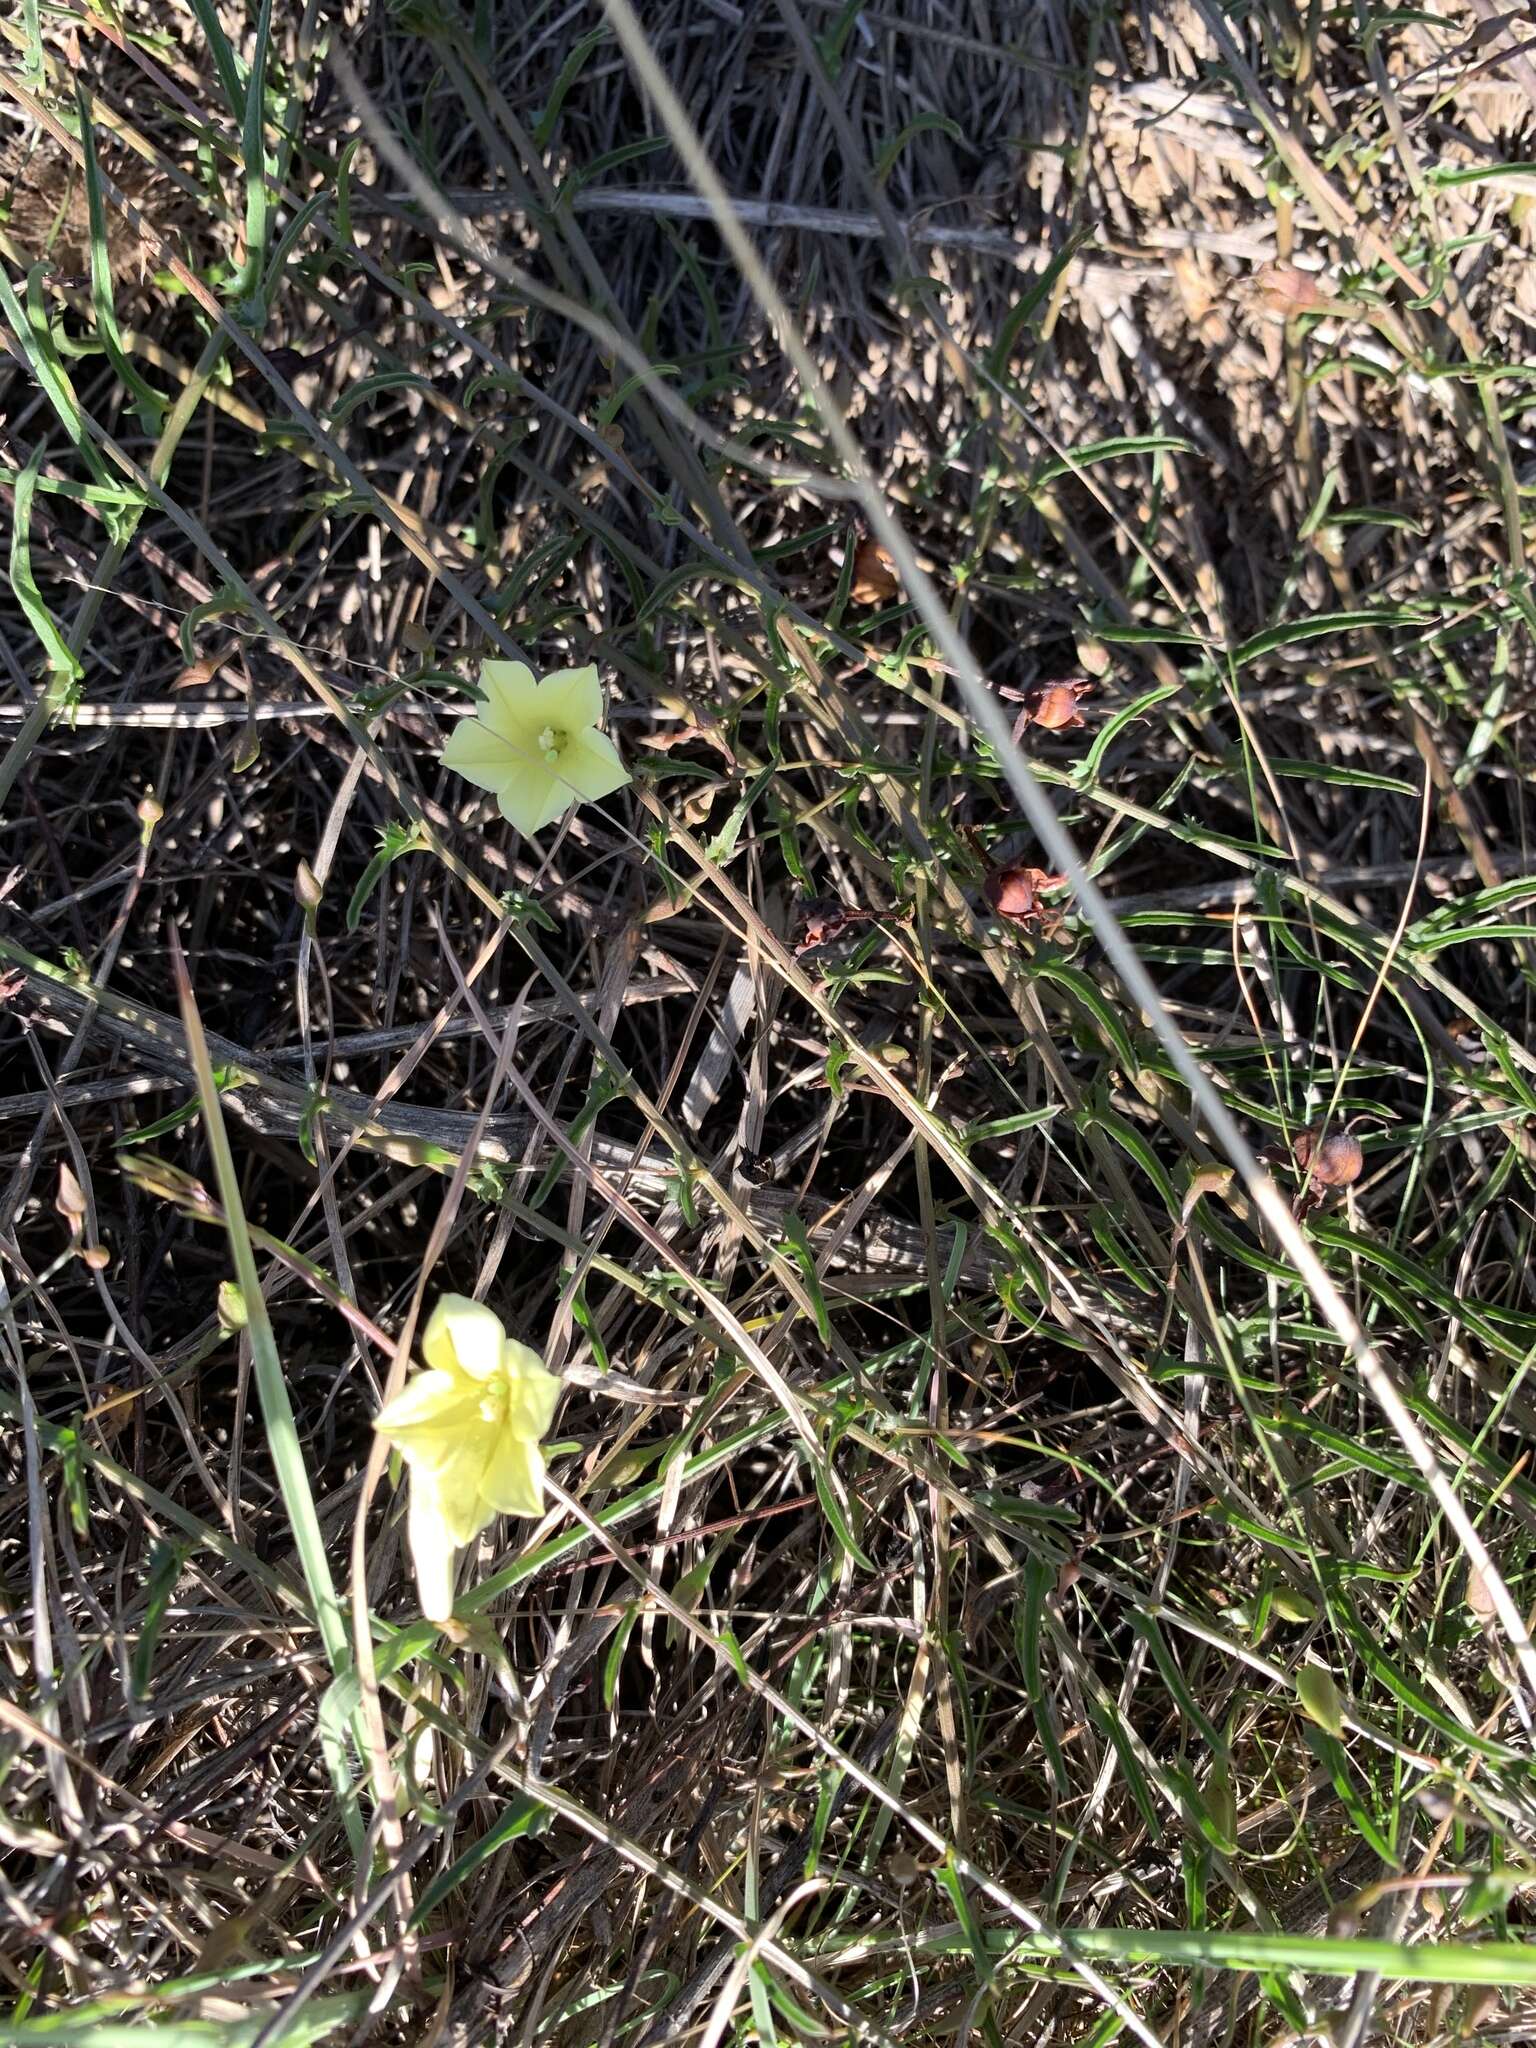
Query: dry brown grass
<point x="975" y="1475"/>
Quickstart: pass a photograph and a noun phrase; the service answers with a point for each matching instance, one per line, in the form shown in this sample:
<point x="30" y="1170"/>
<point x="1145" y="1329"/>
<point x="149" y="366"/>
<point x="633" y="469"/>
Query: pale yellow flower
<point x="536" y="745"/>
<point x="469" y="1431"/>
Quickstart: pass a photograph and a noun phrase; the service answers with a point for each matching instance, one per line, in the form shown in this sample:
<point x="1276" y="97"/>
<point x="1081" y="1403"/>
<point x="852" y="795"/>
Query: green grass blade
<point x="61" y="660"/>
<point x="271" y="1383"/>
<point x="149" y="403"/>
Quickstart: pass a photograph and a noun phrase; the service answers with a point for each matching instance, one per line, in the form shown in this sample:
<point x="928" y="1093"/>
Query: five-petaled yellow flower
<point x="536" y="745"/>
<point x="469" y="1430"/>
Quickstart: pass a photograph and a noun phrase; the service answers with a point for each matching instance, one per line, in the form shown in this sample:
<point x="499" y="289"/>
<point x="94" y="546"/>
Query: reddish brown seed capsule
<point x="1054" y="705"/>
<point x="1335" y="1163"/>
<point x="824" y="919"/>
<point x="874" y="573"/>
<point x="1014" y="893"/>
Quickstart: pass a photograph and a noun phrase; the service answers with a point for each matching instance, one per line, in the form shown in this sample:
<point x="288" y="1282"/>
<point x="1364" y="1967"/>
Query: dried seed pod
<point x="1283" y="288"/>
<point x="874" y="573"/>
<point x="1053" y="706"/>
<point x="70" y="1201"/>
<point x="307" y="891"/>
<point x="1479" y="1599"/>
<point x="824" y="919"/>
<point x="1336" y="1162"/>
<point x="1285" y="292"/>
<point x="1014" y="894"/>
<point x="202" y="673"/>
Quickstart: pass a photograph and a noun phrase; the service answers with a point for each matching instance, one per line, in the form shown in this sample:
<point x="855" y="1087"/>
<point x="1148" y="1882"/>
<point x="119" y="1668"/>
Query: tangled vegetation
<point x="1013" y="1128"/>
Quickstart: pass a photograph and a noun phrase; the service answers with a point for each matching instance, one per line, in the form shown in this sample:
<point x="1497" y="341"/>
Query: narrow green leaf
<point x="1089" y="997"/>
<point x="1416" y="1962"/>
<point x="370" y="387"/>
<point x="1106" y="1718"/>
<point x="1173" y="1677"/>
<point x="253" y="148"/>
<point x="61" y="659"/>
<point x="165" y="1563"/>
<point x="832" y="1508"/>
<point x="959" y="1898"/>
<point x="732" y="1648"/>
<point x="831" y="44"/>
<point x="1035" y="295"/>
<point x="1335" y="773"/>
<point x="148" y="402"/>
<point x="929" y="122"/>
<point x="1313" y="628"/>
<point x="1447" y="175"/>
<point x="344" y="193"/>
<point x="281" y="1426"/>
<point x="1087" y="772"/>
<point x="30" y="326"/>
<point x="762" y="2006"/>
<point x="225" y="61"/>
<point x="33" y="70"/>
<point x="1028" y="1634"/>
<point x="570" y="71"/>
<point x="1490" y="1892"/>
<point x="800" y="1250"/>
<point x="79" y="2029"/>
<point x="613" y="1660"/>
<point x="1075" y="459"/>
<point x="72" y="1466"/>
<point x="525" y="1815"/>
<point x="1365" y="1823"/>
<point x="394" y="841"/>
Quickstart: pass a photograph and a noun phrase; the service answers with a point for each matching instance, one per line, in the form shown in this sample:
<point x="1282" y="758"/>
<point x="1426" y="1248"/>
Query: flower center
<point x="495" y="1399"/>
<point x="553" y="743"/>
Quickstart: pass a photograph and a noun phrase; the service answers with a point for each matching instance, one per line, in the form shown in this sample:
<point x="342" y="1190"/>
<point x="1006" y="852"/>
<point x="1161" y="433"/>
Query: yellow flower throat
<point x="553" y="743"/>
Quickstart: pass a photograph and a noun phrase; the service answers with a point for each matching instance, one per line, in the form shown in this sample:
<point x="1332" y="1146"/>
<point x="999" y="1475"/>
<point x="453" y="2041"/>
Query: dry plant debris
<point x="975" y="1593"/>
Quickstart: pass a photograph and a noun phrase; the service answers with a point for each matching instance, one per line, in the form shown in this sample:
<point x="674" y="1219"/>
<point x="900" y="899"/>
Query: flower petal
<point x="458" y="1483"/>
<point x="533" y="798"/>
<point x="481" y="756"/>
<point x="592" y="767"/>
<point x="514" y="1478"/>
<point x="535" y="1392"/>
<point x="463" y="1336"/>
<point x="432" y="1553"/>
<point x="430" y="1407"/>
<point x="571" y="698"/>
<point x="511" y="696"/>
